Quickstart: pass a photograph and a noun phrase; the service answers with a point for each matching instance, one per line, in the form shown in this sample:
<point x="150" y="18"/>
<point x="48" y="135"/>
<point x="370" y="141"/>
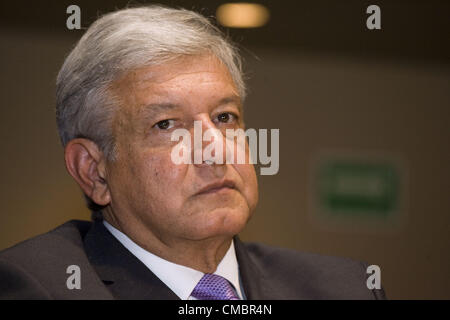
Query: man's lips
<point x="217" y="187"/>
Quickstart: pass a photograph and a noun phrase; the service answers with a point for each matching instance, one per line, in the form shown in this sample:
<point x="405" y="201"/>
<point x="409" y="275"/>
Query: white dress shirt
<point x="180" y="279"/>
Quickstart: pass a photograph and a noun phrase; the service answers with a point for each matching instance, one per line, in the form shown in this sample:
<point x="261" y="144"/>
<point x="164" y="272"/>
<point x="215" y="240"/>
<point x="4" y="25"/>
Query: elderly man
<point x="162" y="230"/>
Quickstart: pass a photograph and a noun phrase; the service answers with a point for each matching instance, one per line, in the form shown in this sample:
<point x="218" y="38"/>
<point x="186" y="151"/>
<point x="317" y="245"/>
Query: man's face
<point x="149" y="191"/>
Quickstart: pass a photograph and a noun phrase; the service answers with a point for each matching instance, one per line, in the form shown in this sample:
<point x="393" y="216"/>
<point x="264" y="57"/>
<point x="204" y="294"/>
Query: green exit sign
<point x="352" y="187"/>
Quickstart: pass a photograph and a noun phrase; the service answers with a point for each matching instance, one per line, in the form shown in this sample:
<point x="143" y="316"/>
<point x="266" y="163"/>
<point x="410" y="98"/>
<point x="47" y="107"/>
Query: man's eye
<point x="226" y="117"/>
<point x="164" y="124"/>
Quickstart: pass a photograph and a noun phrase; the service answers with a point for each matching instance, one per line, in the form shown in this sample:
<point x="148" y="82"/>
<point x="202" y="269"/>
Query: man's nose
<point x="208" y="141"/>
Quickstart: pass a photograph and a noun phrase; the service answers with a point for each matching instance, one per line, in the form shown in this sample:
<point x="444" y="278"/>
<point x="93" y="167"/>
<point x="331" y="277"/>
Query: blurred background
<point x="364" y="119"/>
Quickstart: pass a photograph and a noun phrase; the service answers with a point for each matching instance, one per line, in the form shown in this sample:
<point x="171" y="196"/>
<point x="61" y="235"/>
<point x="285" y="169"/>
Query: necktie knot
<point x="214" y="287"/>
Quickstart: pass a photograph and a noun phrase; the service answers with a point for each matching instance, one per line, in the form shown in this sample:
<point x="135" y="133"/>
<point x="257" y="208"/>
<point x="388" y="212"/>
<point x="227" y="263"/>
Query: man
<point x="162" y="230"/>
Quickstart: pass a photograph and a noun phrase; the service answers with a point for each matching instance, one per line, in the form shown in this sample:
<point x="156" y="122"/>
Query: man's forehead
<point x="177" y="68"/>
<point x="148" y="85"/>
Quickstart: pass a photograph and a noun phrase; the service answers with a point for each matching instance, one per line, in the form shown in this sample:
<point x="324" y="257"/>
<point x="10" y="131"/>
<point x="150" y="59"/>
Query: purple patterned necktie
<point x="214" y="287"/>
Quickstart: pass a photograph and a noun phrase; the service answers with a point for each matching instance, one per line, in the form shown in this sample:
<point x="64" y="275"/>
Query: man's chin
<point x="222" y="222"/>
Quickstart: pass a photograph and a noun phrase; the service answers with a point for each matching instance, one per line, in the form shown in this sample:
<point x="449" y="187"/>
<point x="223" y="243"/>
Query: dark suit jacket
<point x="36" y="269"/>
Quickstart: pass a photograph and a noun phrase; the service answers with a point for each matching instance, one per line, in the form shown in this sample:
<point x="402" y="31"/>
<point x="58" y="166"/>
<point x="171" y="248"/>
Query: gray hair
<point x="119" y="42"/>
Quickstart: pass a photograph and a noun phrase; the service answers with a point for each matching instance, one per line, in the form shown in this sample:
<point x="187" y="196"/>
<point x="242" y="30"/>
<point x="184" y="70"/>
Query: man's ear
<point x="86" y="164"/>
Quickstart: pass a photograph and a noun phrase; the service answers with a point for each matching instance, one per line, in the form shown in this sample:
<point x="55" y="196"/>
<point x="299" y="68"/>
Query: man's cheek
<point x="161" y="171"/>
<point x="251" y="185"/>
<point x="247" y="172"/>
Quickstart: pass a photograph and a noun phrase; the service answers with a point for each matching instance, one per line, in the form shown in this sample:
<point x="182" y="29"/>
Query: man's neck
<point x="202" y="255"/>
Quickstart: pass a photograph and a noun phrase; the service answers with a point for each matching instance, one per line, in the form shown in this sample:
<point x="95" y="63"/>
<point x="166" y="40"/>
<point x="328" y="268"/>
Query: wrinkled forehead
<point x="202" y="79"/>
<point x="172" y="72"/>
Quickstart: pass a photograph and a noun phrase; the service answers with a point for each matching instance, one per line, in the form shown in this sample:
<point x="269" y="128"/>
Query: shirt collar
<point x="180" y="279"/>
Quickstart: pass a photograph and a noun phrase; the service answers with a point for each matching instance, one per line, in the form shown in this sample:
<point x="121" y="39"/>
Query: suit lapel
<point x="257" y="285"/>
<point x="121" y="272"/>
<point x="127" y="277"/>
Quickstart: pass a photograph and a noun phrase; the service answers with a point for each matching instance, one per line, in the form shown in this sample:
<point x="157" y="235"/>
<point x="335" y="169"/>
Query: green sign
<point x="351" y="187"/>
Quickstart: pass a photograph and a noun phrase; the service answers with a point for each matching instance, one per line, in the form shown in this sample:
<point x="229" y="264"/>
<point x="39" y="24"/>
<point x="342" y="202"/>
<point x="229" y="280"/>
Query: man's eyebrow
<point x="154" y="109"/>
<point x="234" y="99"/>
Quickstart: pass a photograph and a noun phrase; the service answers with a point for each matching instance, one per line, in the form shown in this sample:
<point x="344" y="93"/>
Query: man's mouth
<point x="221" y="186"/>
